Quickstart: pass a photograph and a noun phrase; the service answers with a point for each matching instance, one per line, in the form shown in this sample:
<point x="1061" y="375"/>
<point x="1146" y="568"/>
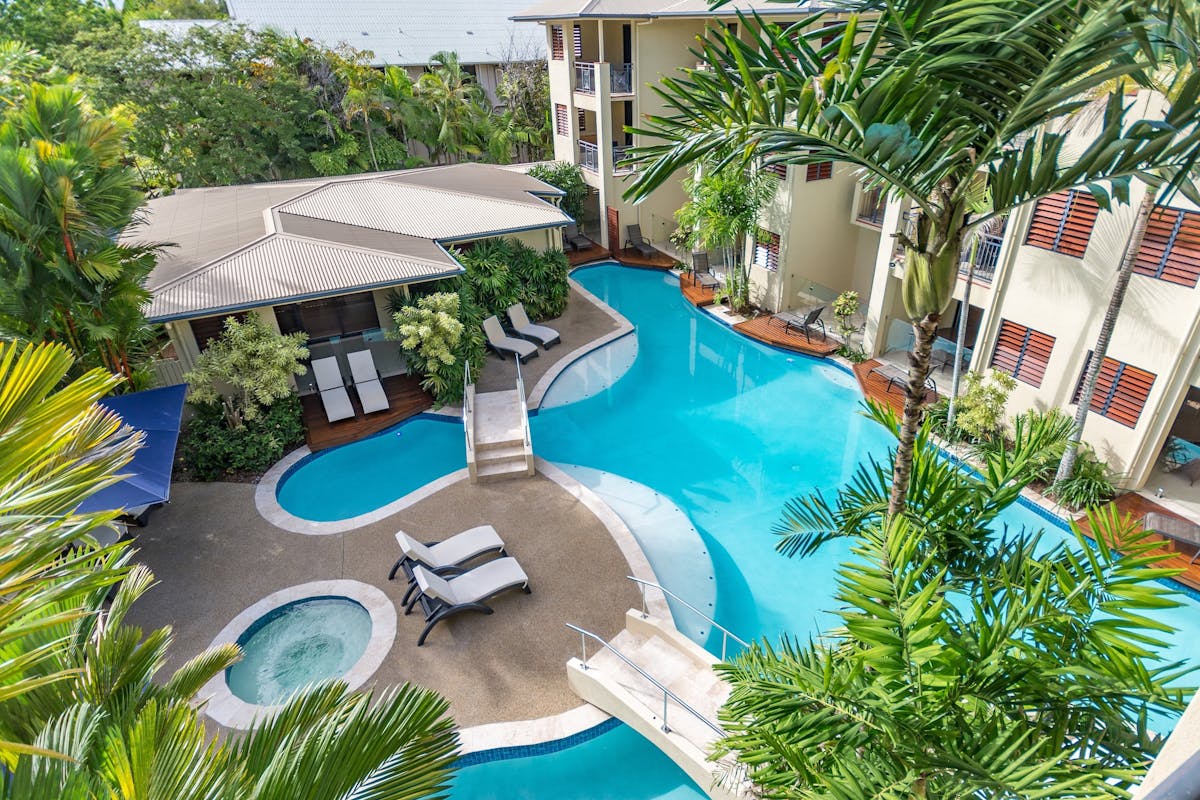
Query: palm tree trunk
<point x="924" y="333"/>
<point x="370" y="142"/>
<point x="960" y="340"/>
<point x="1066" y="466"/>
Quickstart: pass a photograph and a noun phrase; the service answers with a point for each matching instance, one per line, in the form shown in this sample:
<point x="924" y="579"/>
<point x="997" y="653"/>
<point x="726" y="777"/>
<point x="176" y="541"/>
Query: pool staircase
<point x="496" y="430"/>
<point x="662" y="684"/>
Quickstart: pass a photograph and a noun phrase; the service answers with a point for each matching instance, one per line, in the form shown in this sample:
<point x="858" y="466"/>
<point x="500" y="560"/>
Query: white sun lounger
<point x="366" y="381"/>
<point x="443" y="557"/>
<point x="527" y="330"/>
<point x="333" y="390"/>
<point x="503" y="343"/>
<point x="441" y="598"/>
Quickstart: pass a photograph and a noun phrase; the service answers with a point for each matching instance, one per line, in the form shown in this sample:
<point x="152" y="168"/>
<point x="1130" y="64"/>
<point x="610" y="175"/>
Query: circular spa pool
<point x="296" y="644"/>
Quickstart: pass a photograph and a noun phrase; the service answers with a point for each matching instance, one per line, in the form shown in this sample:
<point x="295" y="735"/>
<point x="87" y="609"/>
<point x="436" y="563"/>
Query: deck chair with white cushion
<point x="502" y="343"/>
<point x="441" y="598"/>
<point x="366" y="381"/>
<point x="333" y="390"/>
<point x="445" y="557"/>
<point x="547" y="337"/>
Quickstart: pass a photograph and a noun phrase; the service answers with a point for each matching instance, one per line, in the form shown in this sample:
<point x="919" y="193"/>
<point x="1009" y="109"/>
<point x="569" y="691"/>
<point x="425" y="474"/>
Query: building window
<point x="556" y="43"/>
<point x="205" y="329"/>
<point x="820" y="171"/>
<point x="1121" y="390"/>
<point x="562" y="125"/>
<point x="1170" y="250"/>
<point x="1063" y="223"/>
<point x="578" y="43"/>
<point x="331" y="316"/>
<point x="778" y="170"/>
<point x="581" y="115"/>
<point x="1022" y="352"/>
<point x="766" y="250"/>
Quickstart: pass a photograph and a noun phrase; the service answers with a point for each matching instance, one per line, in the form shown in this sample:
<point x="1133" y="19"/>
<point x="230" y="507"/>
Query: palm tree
<point x="364" y="97"/>
<point x="927" y="98"/>
<point x="56" y="448"/>
<point x="459" y="117"/>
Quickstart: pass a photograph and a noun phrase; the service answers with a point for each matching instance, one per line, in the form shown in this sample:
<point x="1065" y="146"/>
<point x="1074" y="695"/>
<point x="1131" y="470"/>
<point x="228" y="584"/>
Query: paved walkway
<point x="214" y="555"/>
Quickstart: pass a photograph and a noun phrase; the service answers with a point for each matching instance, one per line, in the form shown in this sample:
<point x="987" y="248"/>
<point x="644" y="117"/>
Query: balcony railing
<point x="620" y="153"/>
<point x="589" y="156"/>
<point x="871" y="205"/>
<point x="620" y="78"/>
<point x="585" y="78"/>
<point x="987" y="254"/>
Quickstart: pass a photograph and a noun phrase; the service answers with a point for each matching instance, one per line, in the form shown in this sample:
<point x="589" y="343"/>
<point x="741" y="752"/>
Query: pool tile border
<point x="471" y="757"/>
<point x="223" y="707"/>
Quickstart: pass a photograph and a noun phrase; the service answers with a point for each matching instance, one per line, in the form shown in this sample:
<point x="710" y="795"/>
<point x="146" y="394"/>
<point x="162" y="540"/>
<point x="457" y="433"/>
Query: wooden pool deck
<point x="778" y="335"/>
<point x="694" y="293"/>
<point x="1136" y="506"/>
<point x="876" y="387"/>
<point x="406" y="399"/>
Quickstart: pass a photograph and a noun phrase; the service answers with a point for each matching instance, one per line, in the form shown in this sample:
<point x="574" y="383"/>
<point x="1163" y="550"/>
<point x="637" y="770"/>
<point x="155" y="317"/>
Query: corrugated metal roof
<point x="261" y="244"/>
<point x="285" y="268"/>
<point x="404" y="32"/>
<point x="581" y="9"/>
<point x="389" y="205"/>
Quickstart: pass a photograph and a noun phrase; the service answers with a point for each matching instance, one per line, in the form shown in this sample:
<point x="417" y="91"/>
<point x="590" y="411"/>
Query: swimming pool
<point x="726" y="428"/>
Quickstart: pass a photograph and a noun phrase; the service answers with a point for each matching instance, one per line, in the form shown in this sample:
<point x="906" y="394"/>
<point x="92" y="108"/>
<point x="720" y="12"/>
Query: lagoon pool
<point x="725" y="428"/>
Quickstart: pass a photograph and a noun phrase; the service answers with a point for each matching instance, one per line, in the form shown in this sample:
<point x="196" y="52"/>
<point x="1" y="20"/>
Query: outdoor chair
<point x="1177" y="530"/>
<point x="639" y="242"/>
<point x="332" y="388"/>
<point x="1190" y="470"/>
<point x="897" y="376"/>
<point x="366" y="381"/>
<point x="521" y="325"/>
<point x="574" y="239"/>
<point x="702" y="273"/>
<point x="445" y="557"/>
<point x="802" y="322"/>
<point x="441" y="598"/>
<point x="502" y="343"/>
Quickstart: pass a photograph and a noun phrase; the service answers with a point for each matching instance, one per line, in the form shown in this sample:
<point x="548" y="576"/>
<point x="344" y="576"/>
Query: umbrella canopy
<point x="155" y="412"/>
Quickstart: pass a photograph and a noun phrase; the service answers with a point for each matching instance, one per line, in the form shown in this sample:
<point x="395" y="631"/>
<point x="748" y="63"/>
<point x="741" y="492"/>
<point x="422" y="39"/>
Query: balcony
<point x="589" y="158"/>
<point x="620" y="78"/>
<point x="871" y="205"/>
<point x="986" y="256"/>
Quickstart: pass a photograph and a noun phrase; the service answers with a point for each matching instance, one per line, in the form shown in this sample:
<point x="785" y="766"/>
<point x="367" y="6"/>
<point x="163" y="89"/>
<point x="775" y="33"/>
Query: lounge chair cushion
<point x="498" y="339"/>
<point x="522" y="325"/>
<point x="366" y="381"/>
<point x="327" y="373"/>
<point x="337" y="404"/>
<point x="455" y="550"/>
<point x="473" y="586"/>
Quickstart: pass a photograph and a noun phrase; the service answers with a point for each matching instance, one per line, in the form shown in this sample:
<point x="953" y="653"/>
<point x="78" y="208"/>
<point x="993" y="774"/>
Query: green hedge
<point x="212" y="450"/>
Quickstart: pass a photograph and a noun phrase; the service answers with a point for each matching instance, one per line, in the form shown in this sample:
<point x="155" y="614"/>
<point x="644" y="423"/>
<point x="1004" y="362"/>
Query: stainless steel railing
<point x="466" y="403"/>
<point x="667" y="694"/>
<point x="726" y="634"/>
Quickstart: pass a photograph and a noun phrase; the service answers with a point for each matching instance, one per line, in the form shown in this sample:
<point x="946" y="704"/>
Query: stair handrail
<point x="466" y="403"/>
<point x="667" y="693"/>
<point x="726" y="634"/>
<point x="524" y="405"/>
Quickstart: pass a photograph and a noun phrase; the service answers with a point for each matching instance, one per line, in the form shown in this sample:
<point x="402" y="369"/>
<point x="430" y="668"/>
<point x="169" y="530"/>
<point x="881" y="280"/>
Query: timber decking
<point x="405" y="396"/>
<point x="875" y="386"/>
<point x="694" y="293"/>
<point x="779" y="335"/>
<point x="593" y="253"/>
<point x="1136" y="506"/>
<point x="632" y="258"/>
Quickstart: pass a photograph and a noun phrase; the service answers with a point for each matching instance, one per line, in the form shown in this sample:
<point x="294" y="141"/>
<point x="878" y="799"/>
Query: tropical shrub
<point x="213" y="450"/>
<point x="247" y="368"/>
<point x="979" y="413"/>
<point x="502" y="272"/>
<point x="569" y="178"/>
<point x="1092" y="485"/>
<point x="845" y="306"/>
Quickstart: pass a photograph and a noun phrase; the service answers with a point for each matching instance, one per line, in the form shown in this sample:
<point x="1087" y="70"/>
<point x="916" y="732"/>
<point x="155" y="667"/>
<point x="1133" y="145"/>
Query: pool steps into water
<point x="609" y="680"/>
<point x="497" y="434"/>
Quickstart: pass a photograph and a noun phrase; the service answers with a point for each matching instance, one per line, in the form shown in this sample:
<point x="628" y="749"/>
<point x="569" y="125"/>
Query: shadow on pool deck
<point x="214" y="556"/>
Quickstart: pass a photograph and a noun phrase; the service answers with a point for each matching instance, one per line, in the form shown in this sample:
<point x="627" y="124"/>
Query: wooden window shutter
<point x="556" y="43"/>
<point x="778" y="170"/>
<point x="821" y="171"/>
<point x="1022" y="352"/>
<point x="1170" y="250"/>
<point x="562" y="125"/>
<point x="1121" y="390"/>
<point x="578" y="42"/>
<point x="581" y="117"/>
<point x="1063" y="223"/>
<point x="766" y="251"/>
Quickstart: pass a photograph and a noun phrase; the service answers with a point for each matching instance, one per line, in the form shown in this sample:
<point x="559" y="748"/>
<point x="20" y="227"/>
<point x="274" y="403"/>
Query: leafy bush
<point x="979" y="412"/>
<point x="569" y="178"/>
<point x="247" y="369"/>
<point x="855" y="355"/>
<point x="502" y="272"/>
<point x="1092" y="484"/>
<point x="212" y="449"/>
<point x="1058" y="427"/>
<point x="431" y="334"/>
<point x="845" y="306"/>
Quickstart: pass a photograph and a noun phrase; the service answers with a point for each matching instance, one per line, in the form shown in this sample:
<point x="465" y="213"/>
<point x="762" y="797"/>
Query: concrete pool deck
<point x="214" y="555"/>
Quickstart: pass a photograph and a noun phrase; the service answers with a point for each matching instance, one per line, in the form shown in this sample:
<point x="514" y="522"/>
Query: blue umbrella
<point x="157" y="413"/>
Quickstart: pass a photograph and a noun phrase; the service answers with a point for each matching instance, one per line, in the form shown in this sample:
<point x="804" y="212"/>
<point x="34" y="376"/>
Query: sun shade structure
<point x="156" y="413"/>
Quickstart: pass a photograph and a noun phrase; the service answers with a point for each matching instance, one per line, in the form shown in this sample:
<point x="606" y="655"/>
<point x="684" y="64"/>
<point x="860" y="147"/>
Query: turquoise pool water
<point x="297" y="644"/>
<point x="616" y="765"/>
<point x="728" y="429"/>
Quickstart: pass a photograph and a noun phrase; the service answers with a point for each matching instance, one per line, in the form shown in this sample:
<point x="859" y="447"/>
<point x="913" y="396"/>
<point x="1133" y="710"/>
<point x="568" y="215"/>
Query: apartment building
<point x="1042" y="278"/>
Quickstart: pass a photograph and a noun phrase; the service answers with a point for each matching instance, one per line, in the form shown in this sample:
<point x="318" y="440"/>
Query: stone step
<point x="501" y="469"/>
<point x="500" y="449"/>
